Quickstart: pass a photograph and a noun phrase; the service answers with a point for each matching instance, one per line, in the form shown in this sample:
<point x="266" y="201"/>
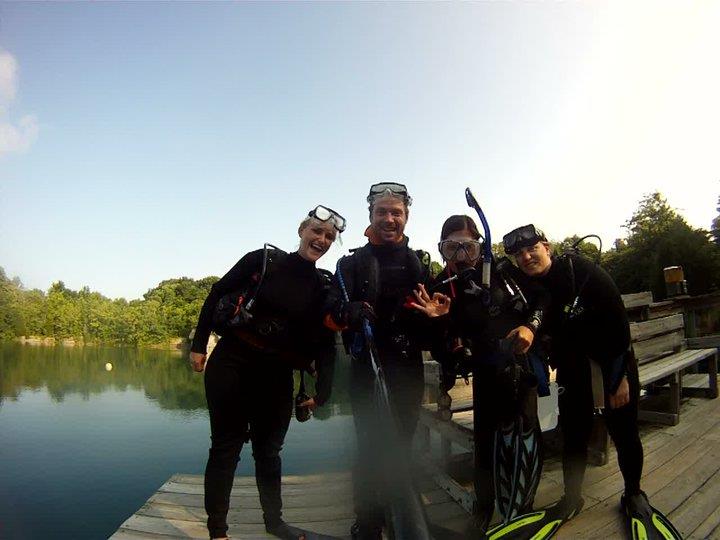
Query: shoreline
<point x="175" y="344"/>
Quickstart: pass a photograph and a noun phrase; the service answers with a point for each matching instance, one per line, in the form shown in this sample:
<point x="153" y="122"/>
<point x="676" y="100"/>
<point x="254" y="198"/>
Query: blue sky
<point x="144" y="141"/>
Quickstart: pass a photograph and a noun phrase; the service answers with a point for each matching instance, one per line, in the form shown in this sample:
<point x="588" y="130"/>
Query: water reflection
<point x="164" y="376"/>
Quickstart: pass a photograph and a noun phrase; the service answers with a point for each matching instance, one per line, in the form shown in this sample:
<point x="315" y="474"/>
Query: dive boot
<point x="277" y="527"/>
<point x="538" y="525"/>
<point x="645" y="522"/>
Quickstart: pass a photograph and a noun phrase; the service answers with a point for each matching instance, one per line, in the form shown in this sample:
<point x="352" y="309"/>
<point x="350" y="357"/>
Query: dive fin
<point x="538" y="525"/>
<point x="517" y="464"/>
<point x="645" y="522"/>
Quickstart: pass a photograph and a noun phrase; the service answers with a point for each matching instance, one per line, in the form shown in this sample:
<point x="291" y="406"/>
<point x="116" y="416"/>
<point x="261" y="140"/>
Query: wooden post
<point x="690" y="323"/>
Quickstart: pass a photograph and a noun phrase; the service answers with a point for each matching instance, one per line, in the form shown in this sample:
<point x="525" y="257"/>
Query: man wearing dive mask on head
<point x="378" y="278"/>
<point x="588" y="321"/>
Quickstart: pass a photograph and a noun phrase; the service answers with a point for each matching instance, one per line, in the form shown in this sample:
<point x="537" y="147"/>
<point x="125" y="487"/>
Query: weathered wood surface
<point x="319" y="503"/>
<point x="651" y="349"/>
<point x="704" y="342"/>
<point x="637" y="300"/>
<point x="681" y="475"/>
<point x="670" y="364"/>
<point x="647" y="329"/>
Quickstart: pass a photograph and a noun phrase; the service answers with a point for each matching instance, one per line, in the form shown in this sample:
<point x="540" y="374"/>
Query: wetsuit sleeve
<point x="325" y="366"/>
<point x="236" y="277"/>
<point x="609" y="333"/>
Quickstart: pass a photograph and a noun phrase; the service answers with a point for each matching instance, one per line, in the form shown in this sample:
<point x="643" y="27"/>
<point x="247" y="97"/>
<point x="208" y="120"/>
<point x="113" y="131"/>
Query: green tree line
<point x="658" y="236"/>
<point x="165" y="312"/>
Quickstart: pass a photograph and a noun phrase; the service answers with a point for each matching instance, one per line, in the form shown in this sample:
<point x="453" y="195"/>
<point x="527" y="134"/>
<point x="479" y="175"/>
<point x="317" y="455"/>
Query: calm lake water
<point x="84" y="447"/>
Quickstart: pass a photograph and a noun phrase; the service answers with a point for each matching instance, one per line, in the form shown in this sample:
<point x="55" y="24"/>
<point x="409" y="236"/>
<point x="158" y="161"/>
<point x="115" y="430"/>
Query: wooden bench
<point x="663" y="355"/>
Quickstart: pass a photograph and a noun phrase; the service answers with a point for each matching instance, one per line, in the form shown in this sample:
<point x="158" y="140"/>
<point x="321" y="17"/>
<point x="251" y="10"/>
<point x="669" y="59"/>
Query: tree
<point x="660" y="237"/>
<point x="716" y="225"/>
<point x="589" y="247"/>
<point x="63" y="313"/>
<point x="10" y="316"/>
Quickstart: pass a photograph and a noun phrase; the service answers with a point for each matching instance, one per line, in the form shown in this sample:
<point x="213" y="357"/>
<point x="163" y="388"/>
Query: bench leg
<point x="713" y="373"/>
<point x="671" y="417"/>
<point x="675" y="386"/>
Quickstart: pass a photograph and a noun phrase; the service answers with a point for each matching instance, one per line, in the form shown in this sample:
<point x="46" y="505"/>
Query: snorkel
<point x="487" y="244"/>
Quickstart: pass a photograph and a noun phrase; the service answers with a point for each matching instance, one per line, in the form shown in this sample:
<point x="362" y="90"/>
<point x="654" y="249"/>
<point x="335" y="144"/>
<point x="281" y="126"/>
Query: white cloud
<point x="8" y="77"/>
<point x="18" y="138"/>
<point x="15" y="136"/>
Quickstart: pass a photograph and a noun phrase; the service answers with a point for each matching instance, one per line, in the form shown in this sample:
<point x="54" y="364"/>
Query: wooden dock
<point x="681" y="476"/>
<point x="317" y="503"/>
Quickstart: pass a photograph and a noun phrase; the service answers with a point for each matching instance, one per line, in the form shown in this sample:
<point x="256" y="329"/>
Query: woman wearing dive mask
<point x="489" y="328"/>
<point x="274" y="325"/>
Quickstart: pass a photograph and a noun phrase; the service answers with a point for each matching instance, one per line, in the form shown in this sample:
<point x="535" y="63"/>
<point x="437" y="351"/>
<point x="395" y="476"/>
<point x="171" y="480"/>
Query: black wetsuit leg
<point x="269" y="420"/>
<point x="228" y="408"/>
<point x="576" y="420"/>
<point x="244" y="391"/>
<point x="485" y="423"/>
<point x="623" y="429"/>
<point x="405" y="382"/>
<point x="366" y="470"/>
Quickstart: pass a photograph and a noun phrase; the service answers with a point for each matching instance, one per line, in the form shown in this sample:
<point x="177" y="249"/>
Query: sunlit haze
<point x="146" y="141"/>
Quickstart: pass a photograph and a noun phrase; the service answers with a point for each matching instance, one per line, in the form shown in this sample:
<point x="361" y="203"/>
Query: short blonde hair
<point x="310" y="220"/>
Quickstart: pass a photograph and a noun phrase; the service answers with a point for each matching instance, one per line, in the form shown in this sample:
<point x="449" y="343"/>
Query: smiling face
<point x="387" y="219"/>
<point x="534" y="260"/>
<point x="316" y="237"/>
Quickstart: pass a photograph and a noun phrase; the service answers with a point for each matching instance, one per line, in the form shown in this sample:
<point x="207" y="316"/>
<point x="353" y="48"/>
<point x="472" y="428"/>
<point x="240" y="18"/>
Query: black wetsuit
<point x="595" y="327"/>
<point x="480" y="322"/>
<point x="384" y="276"/>
<point x="249" y="381"/>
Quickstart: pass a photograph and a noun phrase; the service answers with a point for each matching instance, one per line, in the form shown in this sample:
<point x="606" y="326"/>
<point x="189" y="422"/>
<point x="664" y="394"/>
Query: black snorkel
<point x="487" y="244"/>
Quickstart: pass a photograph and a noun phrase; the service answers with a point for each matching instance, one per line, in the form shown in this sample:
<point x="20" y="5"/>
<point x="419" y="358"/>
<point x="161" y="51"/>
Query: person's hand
<point x="621" y="396"/>
<point x="522" y="338"/>
<point x="197" y="361"/>
<point x="355" y="313"/>
<point x="436" y="305"/>
<point x="310" y="403"/>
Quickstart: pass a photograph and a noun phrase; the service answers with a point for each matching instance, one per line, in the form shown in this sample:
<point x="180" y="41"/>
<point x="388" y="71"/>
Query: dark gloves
<point x="460" y="363"/>
<point x="354" y="313"/>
